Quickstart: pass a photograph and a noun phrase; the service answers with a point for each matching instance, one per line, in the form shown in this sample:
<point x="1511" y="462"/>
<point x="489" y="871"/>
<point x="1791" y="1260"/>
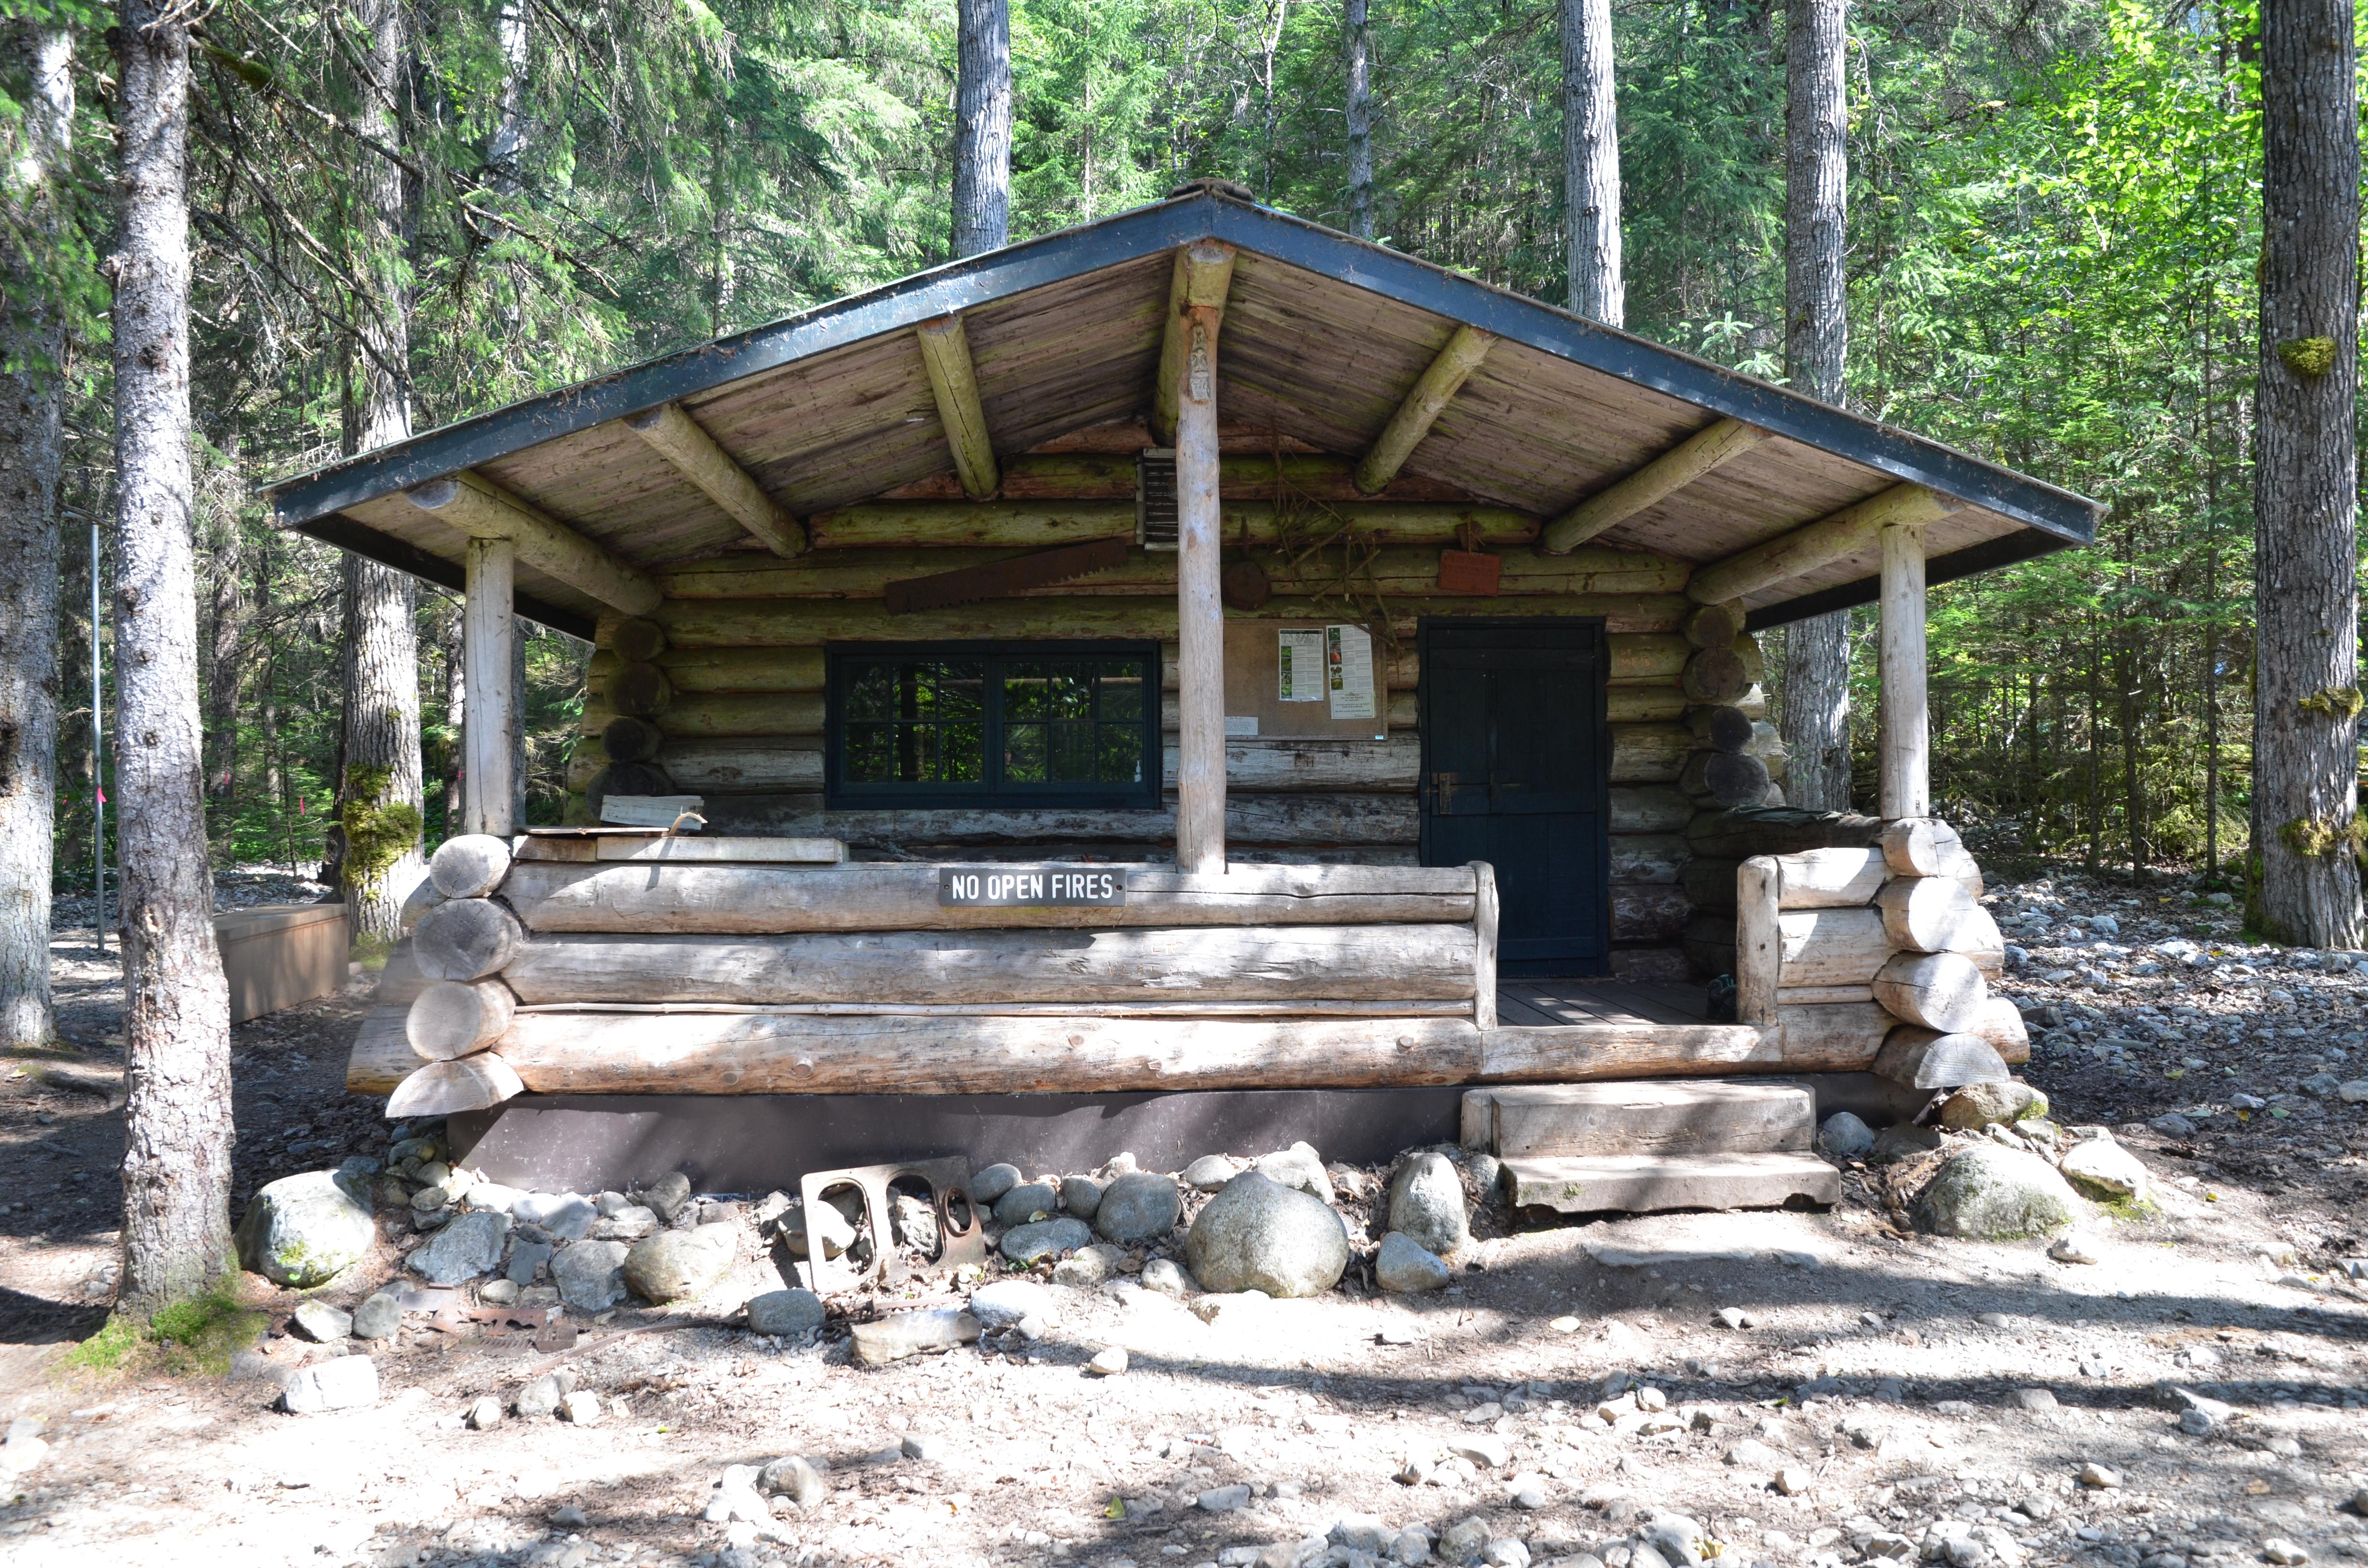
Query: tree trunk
<point x="2307" y="600"/>
<point x="1357" y="43"/>
<point x="32" y="339"/>
<point x="982" y="127"/>
<point x="226" y="624"/>
<point x="1590" y="161"/>
<point x="506" y="151"/>
<point x="456" y="703"/>
<point x="176" y="1005"/>
<point x="1817" y="651"/>
<point x="380" y="791"/>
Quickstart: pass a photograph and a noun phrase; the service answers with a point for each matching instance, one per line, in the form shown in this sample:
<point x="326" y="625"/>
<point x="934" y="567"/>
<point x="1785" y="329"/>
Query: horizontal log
<point x="1109" y="476"/>
<point x="422" y="898"/>
<point x="1714" y="676"/>
<point x="1940" y="991"/>
<point x="1832" y="1037"/>
<point x="1644" y="704"/>
<point x="466" y="938"/>
<point x="381" y="1056"/>
<point x="400" y="980"/>
<point x="635" y="639"/>
<point x="1302" y="1007"/>
<point x="1831" y="947"/>
<point x="1649" y="808"/>
<point x="1649" y="754"/>
<point x="1648" y="857"/>
<point x="1655" y="966"/>
<point x="1927" y="914"/>
<point x="1805" y="995"/>
<point x="938" y="525"/>
<point x="762" y="669"/>
<point x="1828" y="878"/>
<point x="728" y="623"/>
<point x="1393" y="571"/>
<point x="1709" y="884"/>
<point x="1649" y="912"/>
<point x="711" y="715"/>
<point x="1779" y="830"/>
<point x="1720" y="727"/>
<point x="451" y="1018"/>
<point x="1280" y="820"/>
<point x="573" y="1052"/>
<point x="1920" y="1058"/>
<point x="1713" y="626"/>
<point x="1925" y="847"/>
<point x="1242" y="963"/>
<point x="1722" y="779"/>
<point x="448" y="1088"/>
<point x="469" y="865"/>
<point x="767" y="899"/>
<point x="2000" y="1023"/>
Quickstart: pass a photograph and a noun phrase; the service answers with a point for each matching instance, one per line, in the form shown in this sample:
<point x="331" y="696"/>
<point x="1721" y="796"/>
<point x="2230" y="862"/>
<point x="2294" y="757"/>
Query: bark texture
<point x="177" y="1005"/>
<point x="379" y="783"/>
<point x="982" y="127"/>
<point x="2307" y="602"/>
<point x="1357" y="43"/>
<point x="1816" y="652"/>
<point x="32" y="353"/>
<point x="1590" y="161"/>
<point x="226" y="624"/>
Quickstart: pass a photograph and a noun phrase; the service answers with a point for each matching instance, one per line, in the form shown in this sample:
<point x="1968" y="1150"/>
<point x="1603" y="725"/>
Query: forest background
<point x="2053" y="227"/>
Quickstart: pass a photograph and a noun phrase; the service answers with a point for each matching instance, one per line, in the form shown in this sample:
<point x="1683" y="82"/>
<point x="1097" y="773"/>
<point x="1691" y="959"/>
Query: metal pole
<point x="98" y="760"/>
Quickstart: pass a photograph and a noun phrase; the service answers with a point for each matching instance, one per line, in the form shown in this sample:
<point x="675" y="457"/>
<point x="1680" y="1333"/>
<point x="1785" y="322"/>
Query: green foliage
<point x="108" y="1349"/>
<point x="378" y="831"/>
<point x="197" y="1334"/>
<point x="2311" y="356"/>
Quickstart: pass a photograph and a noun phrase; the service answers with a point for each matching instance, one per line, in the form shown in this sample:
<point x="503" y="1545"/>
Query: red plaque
<point x="1470" y="572"/>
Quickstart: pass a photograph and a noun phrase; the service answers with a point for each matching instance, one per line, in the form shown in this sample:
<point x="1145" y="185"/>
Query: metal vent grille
<point x="1155" y="522"/>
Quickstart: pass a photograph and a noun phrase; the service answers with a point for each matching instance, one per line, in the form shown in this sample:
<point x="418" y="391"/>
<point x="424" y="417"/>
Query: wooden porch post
<point x="1906" y="770"/>
<point x="1201" y="612"/>
<point x="490" y="710"/>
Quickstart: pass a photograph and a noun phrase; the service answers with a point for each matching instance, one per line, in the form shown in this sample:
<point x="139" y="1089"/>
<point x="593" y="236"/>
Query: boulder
<point x="785" y="1313"/>
<point x="379" y="1315"/>
<point x="1427" y="1203"/>
<point x="2103" y="1168"/>
<point x="566" y="1215"/>
<point x="590" y="1274"/>
<point x="1142" y="1206"/>
<point x="1977" y="1105"/>
<point x="826" y="1225"/>
<point x="1081" y="1196"/>
<point x="323" y="1323"/>
<point x="1299" y="1165"/>
<point x="901" y="1334"/>
<point x="1404" y="1266"/>
<point x="1007" y="1302"/>
<point x="1026" y="1243"/>
<point x="341" y="1382"/>
<point x="668" y="1195"/>
<point x="680" y="1266"/>
<point x="1167" y="1279"/>
<point x="802" y="1481"/>
<point x="1027" y="1203"/>
<point x="1902" y="1141"/>
<point x="1211" y="1172"/>
<point x="1990" y="1193"/>
<point x="1257" y="1234"/>
<point x="1845" y="1137"/>
<point x="303" y="1231"/>
<point x="992" y="1183"/>
<point x="464" y="1249"/>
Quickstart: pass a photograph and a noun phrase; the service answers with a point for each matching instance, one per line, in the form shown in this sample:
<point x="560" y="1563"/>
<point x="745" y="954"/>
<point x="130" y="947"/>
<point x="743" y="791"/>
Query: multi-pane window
<point x="1036" y="724"/>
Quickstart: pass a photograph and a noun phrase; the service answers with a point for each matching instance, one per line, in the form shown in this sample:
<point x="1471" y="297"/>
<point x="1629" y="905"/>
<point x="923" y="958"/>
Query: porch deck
<point x="1556" y="1002"/>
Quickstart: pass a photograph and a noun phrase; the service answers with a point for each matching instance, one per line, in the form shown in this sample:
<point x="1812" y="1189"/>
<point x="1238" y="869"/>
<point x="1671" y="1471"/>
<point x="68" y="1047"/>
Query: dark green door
<point x="1515" y="764"/>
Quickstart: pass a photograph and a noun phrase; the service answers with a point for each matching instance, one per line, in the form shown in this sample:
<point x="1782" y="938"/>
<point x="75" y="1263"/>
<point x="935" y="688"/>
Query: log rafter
<point x="1719" y="442"/>
<point x="1203" y="276"/>
<point x="953" y="381"/>
<point x="1427" y="399"/>
<point x="675" y="436"/>
<point x="482" y="509"/>
<point x="1806" y="549"/>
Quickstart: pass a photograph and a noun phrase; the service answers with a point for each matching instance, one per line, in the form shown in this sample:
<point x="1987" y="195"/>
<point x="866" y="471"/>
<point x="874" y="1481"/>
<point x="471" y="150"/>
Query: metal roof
<point x="1322" y="336"/>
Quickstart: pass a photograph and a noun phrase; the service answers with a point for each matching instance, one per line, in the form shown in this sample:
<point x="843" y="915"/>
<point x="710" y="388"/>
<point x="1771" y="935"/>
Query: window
<point x="1009" y="723"/>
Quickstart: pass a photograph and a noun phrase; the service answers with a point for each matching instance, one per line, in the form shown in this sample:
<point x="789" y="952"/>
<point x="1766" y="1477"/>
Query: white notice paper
<point x="1349" y="660"/>
<point x="1299" y="667"/>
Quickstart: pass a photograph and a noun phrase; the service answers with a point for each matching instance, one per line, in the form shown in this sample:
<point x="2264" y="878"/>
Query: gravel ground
<point x="1885" y="1394"/>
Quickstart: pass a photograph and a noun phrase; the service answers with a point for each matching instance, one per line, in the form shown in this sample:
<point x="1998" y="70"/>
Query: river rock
<point x="1088" y="1266"/>
<point x="826" y="1225"/>
<point x="341" y="1382"/>
<point x="787" y="1313"/>
<point x="541" y="1396"/>
<point x="2101" y="1168"/>
<point x="1007" y="1302"/>
<point x="590" y="1274"/>
<point x="303" y="1231"/>
<point x="1977" y="1105"/>
<point x="680" y="1266"/>
<point x="323" y="1323"/>
<point x="992" y="1183"/>
<point x="1167" y="1277"/>
<point x="668" y="1195"/>
<point x="1025" y="1203"/>
<point x="1903" y="1140"/>
<point x="566" y="1215"/>
<point x="1845" y="1137"/>
<point x="1257" y="1234"/>
<point x="1211" y="1172"/>
<point x="1404" y="1266"/>
<point x="1081" y="1196"/>
<point x="377" y="1316"/>
<point x="802" y="1481"/>
<point x="466" y="1247"/>
<point x="1138" y="1207"/>
<point x="1026" y="1243"/>
<point x="1427" y="1203"/>
<point x="1990" y="1193"/>
<point x="901" y="1334"/>
<point x="1299" y="1165"/>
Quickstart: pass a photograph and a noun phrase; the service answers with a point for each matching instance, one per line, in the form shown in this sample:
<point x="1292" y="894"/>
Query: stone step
<point x="1642" y="1183"/>
<point x="1649" y="1116"/>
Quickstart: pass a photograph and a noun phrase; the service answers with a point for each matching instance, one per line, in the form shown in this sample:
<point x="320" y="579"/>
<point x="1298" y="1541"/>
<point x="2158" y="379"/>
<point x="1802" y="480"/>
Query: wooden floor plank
<point x="1514" y="1009"/>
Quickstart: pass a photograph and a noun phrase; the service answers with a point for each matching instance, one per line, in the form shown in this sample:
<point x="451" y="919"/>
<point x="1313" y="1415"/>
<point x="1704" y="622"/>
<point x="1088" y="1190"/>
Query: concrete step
<point x="1643" y="1184"/>
<point x="1648" y="1117"/>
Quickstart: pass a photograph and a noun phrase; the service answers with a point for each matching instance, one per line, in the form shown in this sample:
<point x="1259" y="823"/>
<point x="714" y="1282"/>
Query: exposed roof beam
<point x="676" y="436"/>
<point x="1203" y="276"/>
<point x="1432" y="392"/>
<point x="1720" y="441"/>
<point x="482" y="509"/>
<point x="1807" y="548"/>
<point x="945" y="353"/>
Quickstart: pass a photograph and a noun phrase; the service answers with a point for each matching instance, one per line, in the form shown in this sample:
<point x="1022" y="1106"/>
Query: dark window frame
<point x="842" y="660"/>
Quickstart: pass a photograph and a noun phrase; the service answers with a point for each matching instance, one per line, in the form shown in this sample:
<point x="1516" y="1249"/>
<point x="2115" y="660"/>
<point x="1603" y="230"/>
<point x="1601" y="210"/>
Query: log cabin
<point x="1197" y="652"/>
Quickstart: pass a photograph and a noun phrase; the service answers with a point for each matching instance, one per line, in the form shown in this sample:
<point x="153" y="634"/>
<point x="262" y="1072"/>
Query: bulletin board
<point x="1272" y="693"/>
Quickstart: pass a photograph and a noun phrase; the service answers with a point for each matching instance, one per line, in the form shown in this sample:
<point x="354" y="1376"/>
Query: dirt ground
<point x="1888" y="1394"/>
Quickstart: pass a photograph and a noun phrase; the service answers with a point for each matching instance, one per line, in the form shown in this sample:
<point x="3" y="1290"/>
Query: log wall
<point x="734" y="688"/>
